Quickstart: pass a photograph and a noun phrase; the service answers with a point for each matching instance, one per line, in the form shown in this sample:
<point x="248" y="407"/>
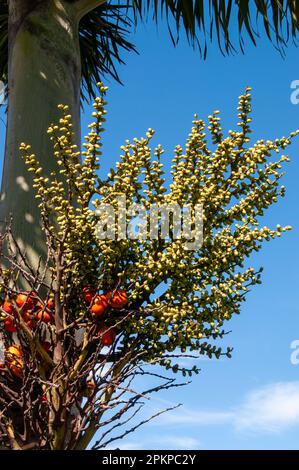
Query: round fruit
<point x="9" y="325"/>
<point x="28" y="319"/>
<point x="8" y="307"/>
<point x="14" y="351"/>
<point x="51" y="304"/>
<point x="43" y="399"/>
<point x="44" y="316"/>
<point x="107" y="335"/>
<point x="14" y="358"/>
<point x="117" y="299"/>
<point x="16" y="367"/>
<point x="30" y="324"/>
<point x="88" y="293"/>
<point x="99" y="306"/>
<point x="26" y="301"/>
<point x="26" y="315"/>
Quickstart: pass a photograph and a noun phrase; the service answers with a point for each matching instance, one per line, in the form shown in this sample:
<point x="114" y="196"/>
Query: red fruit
<point x="88" y="293"/>
<point x="8" y="307"/>
<point x="117" y="299"/>
<point x="26" y="301"/>
<point x="107" y="335"/>
<point x="30" y="324"/>
<point x="43" y="399"/>
<point x="28" y="319"/>
<point x="9" y="325"/>
<point x="51" y="304"/>
<point x="26" y="316"/>
<point x="44" y="316"/>
<point x="16" y="368"/>
<point x="99" y="306"/>
<point x="14" y="359"/>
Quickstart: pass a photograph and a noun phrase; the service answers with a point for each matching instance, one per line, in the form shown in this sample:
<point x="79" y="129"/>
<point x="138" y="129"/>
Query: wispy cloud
<point x="272" y="408"/>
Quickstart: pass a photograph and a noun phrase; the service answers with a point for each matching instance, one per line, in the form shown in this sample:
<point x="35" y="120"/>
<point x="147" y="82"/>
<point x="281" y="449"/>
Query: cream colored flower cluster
<point x="178" y="298"/>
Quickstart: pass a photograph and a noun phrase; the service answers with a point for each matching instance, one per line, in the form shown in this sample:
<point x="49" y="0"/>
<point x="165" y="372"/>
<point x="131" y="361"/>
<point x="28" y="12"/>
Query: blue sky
<point x="252" y="400"/>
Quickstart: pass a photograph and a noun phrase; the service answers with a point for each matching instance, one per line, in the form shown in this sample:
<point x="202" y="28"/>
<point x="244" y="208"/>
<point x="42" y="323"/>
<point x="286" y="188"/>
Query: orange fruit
<point x="9" y="325"/>
<point x="30" y="324"/>
<point x="88" y="293"/>
<point x="51" y="304"/>
<point x="107" y="335"/>
<point x="14" y="358"/>
<point x="118" y="299"/>
<point x="8" y="307"/>
<point x="16" y="367"/>
<point x="26" y="316"/>
<point x="14" y="351"/>
<point x="44" y="316"/>
<point x="99" y="306"/>
<point x="26" y="301"/>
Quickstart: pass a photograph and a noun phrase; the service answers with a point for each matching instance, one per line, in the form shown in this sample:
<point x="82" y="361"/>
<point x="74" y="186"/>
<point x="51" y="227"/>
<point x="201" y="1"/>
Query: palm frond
<point x="204" y="20"/>
<point x="104" y="31"/>
<point x="103" y="36"/>
<point x="103" y="39"/>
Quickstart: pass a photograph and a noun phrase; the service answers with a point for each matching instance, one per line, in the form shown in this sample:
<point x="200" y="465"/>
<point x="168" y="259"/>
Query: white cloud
<point x="272" y="408"/>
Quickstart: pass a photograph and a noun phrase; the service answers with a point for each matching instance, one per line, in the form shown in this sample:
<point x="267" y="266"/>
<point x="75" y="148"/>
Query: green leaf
<point x="104" y="31"/>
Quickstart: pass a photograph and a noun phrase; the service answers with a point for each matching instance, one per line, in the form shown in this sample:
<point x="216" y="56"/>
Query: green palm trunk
<point x="43" y="70"/>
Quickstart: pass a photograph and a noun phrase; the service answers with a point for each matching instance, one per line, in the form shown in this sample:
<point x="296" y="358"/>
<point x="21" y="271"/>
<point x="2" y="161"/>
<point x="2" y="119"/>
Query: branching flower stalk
<point x="105" y="312"/>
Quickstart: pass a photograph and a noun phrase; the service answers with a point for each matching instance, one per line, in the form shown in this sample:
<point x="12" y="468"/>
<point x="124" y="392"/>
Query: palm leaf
<point x="104" y="31"/>
<point x="203" y="20"/>
<point x="103" y="39"/>
<point x="102" y="36"/>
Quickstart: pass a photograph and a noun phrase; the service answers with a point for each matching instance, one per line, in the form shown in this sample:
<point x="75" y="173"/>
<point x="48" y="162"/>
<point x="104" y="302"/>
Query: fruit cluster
<point x="14" y="359"/>
<point x="33" y="311"/>
<point x="99" y="304"/>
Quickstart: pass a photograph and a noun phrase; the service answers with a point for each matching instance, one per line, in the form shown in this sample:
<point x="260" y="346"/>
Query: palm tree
<point x="54" y="51"/>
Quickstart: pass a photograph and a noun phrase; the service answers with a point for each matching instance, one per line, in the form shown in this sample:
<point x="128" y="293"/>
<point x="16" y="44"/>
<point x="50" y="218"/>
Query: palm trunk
<point x="44" y="70"/>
